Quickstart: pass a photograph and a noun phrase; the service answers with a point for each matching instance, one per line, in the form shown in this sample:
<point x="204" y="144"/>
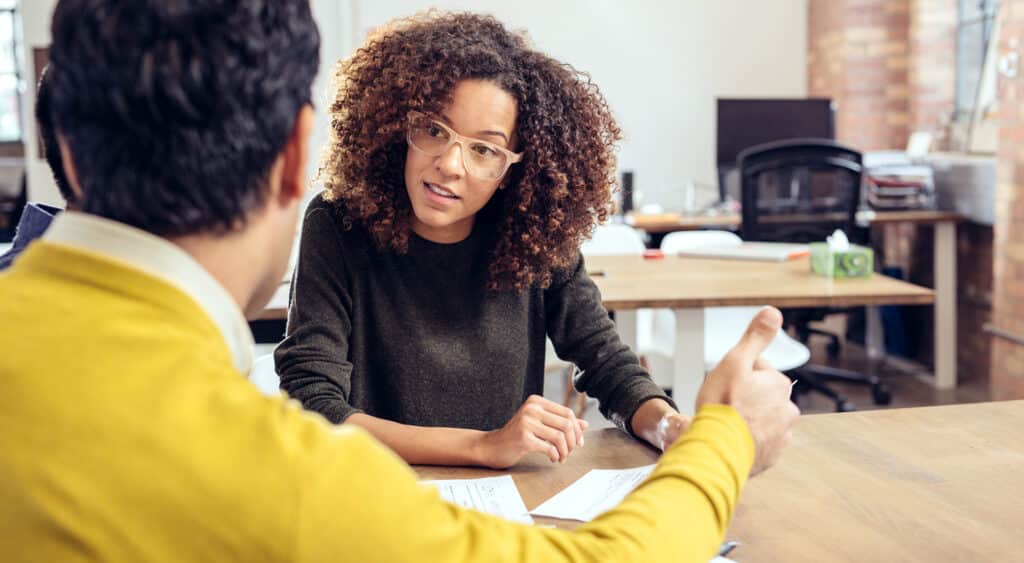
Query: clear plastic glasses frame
<point x="480" y="158"/>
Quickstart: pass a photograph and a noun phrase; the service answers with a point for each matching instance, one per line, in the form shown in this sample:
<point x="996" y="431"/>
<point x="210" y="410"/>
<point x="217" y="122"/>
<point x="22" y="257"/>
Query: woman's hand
<point x="539" y="425"/>
<point x="669" y="429"/>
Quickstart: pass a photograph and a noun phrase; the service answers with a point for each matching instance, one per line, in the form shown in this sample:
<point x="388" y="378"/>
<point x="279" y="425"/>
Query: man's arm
<point x="363" y="503"/>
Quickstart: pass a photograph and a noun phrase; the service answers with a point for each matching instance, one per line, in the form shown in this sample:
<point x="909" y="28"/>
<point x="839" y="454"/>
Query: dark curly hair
<point x="553" y="198"/>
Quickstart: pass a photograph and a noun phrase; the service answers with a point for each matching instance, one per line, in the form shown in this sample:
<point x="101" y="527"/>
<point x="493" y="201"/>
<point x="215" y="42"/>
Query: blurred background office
<point x="886" y="69"/>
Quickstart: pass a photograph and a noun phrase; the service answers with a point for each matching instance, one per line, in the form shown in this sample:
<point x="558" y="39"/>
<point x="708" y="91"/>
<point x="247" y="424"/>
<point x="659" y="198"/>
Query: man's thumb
<point x="759" y="334"/>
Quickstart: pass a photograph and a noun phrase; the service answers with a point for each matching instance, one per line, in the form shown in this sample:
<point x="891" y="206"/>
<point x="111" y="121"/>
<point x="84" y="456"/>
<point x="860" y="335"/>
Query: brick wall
<point x="889" y="65"/>
<point x="931" y="72"/>
<point x="1007" y="372"/>
<point x="975" y="262"/>
<point x="858" y="56"/>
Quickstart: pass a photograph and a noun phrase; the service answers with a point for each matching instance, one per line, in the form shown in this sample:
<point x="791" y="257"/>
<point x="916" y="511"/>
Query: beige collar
<point x="162" y="259"/>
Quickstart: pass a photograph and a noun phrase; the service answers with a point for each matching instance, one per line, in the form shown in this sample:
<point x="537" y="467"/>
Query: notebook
<point x="763" y="251"/>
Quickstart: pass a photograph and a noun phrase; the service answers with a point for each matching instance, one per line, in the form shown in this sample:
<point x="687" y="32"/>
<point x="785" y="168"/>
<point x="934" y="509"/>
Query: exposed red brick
<point x="1007" y="369"/>
<point x="888" y="65"/>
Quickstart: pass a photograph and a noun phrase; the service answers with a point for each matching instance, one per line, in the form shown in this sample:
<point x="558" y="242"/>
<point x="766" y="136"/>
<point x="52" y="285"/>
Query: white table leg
<point x="689" y="358"/>
<point x="874" y="337"/>
<point x="625" y="323"/>
<point x="944" y="259"/>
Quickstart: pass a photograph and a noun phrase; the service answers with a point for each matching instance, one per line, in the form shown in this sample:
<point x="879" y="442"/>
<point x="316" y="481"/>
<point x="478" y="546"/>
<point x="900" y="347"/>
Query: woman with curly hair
<point x="463" y="173"/>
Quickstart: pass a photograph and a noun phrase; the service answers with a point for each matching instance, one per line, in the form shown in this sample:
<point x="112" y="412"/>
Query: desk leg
<point x="945" y="305"/>
<point x="689" y="358"/>
<point x="875" y="335"/>
<point x="625" y="322"/>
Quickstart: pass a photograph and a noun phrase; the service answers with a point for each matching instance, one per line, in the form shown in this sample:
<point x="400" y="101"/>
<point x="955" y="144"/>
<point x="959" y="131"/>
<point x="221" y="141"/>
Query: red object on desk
<point x="653" y="254"/>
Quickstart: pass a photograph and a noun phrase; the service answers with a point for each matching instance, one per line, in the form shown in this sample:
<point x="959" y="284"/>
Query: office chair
<point x="801" y="190"/>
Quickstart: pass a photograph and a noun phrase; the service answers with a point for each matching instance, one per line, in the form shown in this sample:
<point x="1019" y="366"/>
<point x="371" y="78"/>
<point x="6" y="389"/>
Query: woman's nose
<point x="450" y="161"/>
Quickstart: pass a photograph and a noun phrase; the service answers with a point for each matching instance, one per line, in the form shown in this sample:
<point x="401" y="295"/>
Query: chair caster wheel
<point x="845" y="406"/>
<point x="833" y="350"/>
<point x="881" y="396"/>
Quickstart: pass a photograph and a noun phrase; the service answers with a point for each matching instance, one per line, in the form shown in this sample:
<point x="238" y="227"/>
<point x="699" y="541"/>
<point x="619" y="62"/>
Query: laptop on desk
<point x="759" y="251"/>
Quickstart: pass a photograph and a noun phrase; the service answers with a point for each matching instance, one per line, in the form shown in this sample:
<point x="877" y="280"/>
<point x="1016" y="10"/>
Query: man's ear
<point x="295" y="156"/>
<point x="68" y="163"/>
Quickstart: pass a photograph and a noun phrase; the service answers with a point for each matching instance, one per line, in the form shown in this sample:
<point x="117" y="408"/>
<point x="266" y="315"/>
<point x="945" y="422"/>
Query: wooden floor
<point x="906" y="380"/>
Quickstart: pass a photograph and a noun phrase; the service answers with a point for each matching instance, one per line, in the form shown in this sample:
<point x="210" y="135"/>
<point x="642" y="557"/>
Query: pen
<point x="727" y="548"/>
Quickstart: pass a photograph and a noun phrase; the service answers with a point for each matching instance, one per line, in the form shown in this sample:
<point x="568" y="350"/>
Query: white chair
<point x="608" y="239"/>
<point x="264" y="375"/>
<point x="723" y="326"/>
<point x="613" y="238"/>
<point x="616" y="239"/>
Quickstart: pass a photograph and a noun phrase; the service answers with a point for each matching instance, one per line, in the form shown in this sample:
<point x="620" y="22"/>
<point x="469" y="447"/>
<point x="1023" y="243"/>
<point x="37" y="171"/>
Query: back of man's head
<point x="174" y="111"/>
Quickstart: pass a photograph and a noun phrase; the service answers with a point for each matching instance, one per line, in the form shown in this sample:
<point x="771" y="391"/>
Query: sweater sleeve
<point x="361" y="503"/>
<point x="582" y="333"/>
<point x="312" y="360"/>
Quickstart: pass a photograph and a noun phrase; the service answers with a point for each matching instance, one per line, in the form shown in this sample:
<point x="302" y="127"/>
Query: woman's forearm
<point x="424" y="445"/>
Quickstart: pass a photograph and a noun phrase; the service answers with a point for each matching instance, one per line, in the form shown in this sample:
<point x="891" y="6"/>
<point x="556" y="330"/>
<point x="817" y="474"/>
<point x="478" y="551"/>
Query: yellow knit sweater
<point x="127" y="435"/>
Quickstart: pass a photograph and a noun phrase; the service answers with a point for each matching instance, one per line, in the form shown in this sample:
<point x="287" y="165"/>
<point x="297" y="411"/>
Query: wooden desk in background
<point x="944" y="266"/>
<point x="688" y="285"/>
<point x="922" y="484"/>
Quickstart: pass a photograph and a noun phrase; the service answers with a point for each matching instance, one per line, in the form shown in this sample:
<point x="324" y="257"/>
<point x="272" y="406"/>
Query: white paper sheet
<point x="594" y="493"/>
<point x="493" y="495"/>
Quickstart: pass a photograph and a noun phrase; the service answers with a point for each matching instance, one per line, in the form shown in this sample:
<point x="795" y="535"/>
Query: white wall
<point x="336" y="41"/>
<point x="660" y="64"/>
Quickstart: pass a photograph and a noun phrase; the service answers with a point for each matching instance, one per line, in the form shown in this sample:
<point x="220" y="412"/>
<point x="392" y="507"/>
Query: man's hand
<point x="539" y="425"/>
<point x="757" y="391"/>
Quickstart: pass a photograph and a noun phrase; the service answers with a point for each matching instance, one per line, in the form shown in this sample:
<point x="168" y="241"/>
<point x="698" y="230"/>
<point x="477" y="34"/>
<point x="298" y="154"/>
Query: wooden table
<point x="687" y="285"/>
<point x="944" y="265"/>
<point x="922" y="484"/>
<point x="538" y="479"/>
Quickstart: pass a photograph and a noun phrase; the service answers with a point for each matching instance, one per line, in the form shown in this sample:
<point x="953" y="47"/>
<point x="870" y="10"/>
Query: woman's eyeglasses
<point x="480" y="158"/>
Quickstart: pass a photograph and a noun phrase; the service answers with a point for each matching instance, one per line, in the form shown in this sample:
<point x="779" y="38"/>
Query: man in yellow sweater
<point x="128" y="430"/>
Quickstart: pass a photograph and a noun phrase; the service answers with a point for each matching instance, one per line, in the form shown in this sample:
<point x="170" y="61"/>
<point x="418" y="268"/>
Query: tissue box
<point x="857" y="262"/>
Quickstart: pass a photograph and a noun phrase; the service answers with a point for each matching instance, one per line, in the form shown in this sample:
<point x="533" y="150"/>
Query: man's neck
<point x="230" y="260"/>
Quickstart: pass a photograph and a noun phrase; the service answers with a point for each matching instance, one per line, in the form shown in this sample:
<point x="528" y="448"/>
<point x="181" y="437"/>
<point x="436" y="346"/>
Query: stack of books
<point x="896" y="183"/>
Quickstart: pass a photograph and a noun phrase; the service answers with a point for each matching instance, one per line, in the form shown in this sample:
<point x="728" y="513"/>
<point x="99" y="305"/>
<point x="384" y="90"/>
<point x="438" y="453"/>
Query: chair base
<point x="572" y="398"/>
<point x="814" y="378"/>
<point x="804" y="332"/>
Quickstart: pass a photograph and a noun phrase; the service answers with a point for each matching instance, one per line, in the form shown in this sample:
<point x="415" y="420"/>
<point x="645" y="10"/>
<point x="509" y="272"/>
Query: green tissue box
<point x="857" y="262"/>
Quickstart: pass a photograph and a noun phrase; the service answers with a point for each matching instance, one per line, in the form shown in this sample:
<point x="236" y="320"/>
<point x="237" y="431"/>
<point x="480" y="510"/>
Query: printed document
<point x="594" y="493"/>
<point x="493" y="495"/>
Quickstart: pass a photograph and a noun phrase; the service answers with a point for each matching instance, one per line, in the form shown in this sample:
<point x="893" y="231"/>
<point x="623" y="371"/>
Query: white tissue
<point x="838" y="241"/>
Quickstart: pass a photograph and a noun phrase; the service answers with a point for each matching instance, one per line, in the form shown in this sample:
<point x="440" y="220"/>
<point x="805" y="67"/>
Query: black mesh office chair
<point x="801" y="190"/>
